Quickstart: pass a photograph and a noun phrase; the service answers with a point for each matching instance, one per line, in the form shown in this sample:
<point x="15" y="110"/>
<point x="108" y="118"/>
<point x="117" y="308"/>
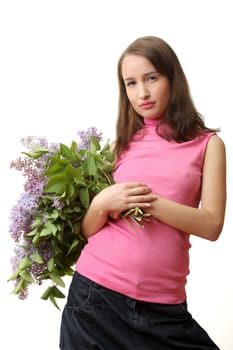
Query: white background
<point x="58" y="75"/>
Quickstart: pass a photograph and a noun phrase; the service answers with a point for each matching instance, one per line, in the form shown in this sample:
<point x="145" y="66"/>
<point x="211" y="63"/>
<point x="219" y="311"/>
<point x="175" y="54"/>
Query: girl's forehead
<point x="135" y="64"/>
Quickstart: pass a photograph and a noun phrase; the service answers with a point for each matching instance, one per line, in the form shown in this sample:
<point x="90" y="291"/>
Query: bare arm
<point x="111" y="201"/>
<point x="206" y="221"/>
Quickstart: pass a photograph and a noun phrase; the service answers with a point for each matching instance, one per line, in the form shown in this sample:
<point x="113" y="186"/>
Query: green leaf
<point x="94" y="144"/>
<point x="84" y="197"/>
<point x="48" y="229"/>
<point x="56" y="184"/>
<point x="25" y="263"/>
<point x="15" y="275"/>
<point x="108" y="155"/>
<point x="52" y="299"/>
<point x="38" y="152"/>
<point x="36" y="223"/>
<point x="32" y="233"/>
<point x="76" y="227"/>
<point x="68" y="193"/>
<point x="36" y="238"/>
<point x="56" y="169"/>
<point x="57" y="279"/>
<point x="52" y="215"/>
<point x="37" y="258"/>
<point x="57" y="293"/>
<point x="46" y="294"/>
<point x="73" y="147"/>
<point x="74" y="244"/>
<point x="66" y="152"/>
<point x="51" y="264"/>
<point x="21" y="286"/>
<point x="89" y="165"/>
<point x="74" y="173"/>
<point x="27" y="276"/>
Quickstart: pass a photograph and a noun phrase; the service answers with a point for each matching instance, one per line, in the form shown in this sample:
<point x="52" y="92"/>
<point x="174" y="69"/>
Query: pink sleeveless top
<point x="150" y="263"/>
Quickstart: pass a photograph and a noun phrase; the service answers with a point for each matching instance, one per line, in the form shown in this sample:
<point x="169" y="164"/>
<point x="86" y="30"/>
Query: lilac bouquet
<point x="45" y="222"/>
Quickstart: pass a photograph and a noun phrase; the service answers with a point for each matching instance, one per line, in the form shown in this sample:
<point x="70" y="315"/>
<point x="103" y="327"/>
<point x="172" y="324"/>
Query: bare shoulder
<point x="216" y="144"/>
<point x="215" y="151"/>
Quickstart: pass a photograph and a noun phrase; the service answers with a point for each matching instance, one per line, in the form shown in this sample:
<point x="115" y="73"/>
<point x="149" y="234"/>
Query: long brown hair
<point x="185" y="122"/>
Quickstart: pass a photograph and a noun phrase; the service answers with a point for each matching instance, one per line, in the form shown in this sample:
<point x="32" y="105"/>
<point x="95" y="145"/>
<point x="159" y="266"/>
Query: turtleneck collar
<point x="151" y="122"/>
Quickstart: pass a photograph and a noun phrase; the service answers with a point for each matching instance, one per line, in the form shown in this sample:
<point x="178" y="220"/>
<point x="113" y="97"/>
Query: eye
<point x="130" y="83"/>
<point x="152" y="78"/>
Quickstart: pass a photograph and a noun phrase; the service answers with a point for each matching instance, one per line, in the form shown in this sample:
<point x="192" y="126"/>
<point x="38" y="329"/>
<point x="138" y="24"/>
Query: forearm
<point x="112" y="201"/>
<point x="94" y="219"/>
<point x="200" y="222"/>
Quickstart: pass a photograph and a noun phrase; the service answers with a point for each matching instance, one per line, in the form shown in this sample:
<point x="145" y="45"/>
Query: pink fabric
<point x="150" y="263"/>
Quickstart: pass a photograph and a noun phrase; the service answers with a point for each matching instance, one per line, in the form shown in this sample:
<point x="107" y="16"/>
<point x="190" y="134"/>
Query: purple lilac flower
<point x="24" y="294"/>
<point x="32" y="169"/>
<point x="46" y="252"/>
<point x="85" y="135"/>
<point x="19" y="254"/>
<point x="36" y="269"/>
<point x="21" y="216"/>
<point x="38" y="140"/>
<point x="53" y="148"/>
<point x="57" y="203"/>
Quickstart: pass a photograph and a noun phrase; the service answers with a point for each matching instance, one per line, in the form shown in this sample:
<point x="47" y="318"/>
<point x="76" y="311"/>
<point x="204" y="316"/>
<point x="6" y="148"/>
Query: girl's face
<point x="148" y="91"/>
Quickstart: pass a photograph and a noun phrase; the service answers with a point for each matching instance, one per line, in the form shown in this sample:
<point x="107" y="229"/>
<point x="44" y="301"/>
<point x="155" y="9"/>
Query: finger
<point x="136" y="185"/>
<point x="141" y="198"/>
<point x="139" y="190"/>
<point x="139" y="205"/>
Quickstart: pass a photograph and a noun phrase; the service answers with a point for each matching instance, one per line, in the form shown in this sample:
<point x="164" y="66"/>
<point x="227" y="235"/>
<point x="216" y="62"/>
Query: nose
<point x="143" y="92"/>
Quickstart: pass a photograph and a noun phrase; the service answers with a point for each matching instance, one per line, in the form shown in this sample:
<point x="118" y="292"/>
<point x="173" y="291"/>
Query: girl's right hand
<point x="115" y="199"/>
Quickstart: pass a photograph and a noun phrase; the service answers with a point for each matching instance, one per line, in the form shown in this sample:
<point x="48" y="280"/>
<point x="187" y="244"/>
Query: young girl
<point x="128" y="291"/>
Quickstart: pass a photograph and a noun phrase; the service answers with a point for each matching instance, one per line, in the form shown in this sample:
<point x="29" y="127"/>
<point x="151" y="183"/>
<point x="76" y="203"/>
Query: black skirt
<point x="96" y="318"/>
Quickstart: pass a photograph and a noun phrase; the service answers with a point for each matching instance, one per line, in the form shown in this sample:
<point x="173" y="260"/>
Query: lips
<point x="147" y="105"/>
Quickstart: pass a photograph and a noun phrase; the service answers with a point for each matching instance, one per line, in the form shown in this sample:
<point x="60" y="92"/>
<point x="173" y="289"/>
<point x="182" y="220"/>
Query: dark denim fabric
<point x="96" y="318"/>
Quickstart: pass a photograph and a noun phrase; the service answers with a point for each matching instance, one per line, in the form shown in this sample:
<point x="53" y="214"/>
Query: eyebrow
<point x="146" y="74"/>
